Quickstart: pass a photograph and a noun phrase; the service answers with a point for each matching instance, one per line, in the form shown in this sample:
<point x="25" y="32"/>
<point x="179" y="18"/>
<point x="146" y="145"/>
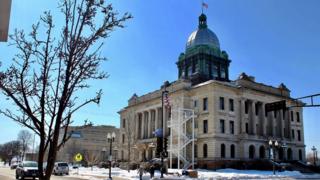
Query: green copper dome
<point x="203" y="35"/>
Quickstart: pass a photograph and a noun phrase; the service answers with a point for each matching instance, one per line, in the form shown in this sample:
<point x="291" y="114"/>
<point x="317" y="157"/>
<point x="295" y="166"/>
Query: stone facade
<point x="90" y="141"/>
<point x="239" y="105"/>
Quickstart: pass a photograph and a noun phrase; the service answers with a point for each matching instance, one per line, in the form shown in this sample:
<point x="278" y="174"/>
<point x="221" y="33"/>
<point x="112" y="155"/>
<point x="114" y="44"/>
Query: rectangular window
<point x="298" y="116"/>
<point x="265" y="112"/>
<point x="247" y="128"/>
<point x="275" y="113"/>
<point x="195" y="151"/>
<point x="195" y="123"/>
<point x="195" y="103"/>
<point x="123" y="123"/>
<point x="123" y="138"/>
<point x="231" y="127"/>
<point x="221" y="125"/>
<point x="246" y="107"/>
<point x="221" y="100"/>
<point x="257" y="108"/>
<point x="292" y="133"/>
<point x="205" y="126"/>
<point x="292" y="118"/>
<point x="205" y="104"/>
<point x="299" y="135"/>
<point x="231" y="106"/>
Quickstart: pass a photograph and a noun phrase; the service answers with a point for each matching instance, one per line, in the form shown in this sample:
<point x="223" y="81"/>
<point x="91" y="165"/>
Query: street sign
<point x="274" y="106"/>
<point x="78" y="157"/>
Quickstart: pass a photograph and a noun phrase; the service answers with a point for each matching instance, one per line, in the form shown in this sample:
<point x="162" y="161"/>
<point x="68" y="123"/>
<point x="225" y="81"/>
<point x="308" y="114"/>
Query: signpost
<point x="78" y="157"/>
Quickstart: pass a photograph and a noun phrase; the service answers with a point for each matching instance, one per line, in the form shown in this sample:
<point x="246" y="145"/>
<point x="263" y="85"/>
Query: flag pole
<point x="202" y="7"/>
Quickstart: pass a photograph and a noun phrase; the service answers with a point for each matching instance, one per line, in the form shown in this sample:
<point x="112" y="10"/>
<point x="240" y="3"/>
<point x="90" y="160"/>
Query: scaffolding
<point x="182" y="133"/>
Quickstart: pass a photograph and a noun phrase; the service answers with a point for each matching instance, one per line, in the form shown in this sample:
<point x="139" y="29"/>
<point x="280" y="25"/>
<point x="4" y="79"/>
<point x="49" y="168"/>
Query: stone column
<point x="149" y="124"/>
<point x="142" y="125"/>
<point x="251" y="117"/>
<point x="262" y="120"/>
<point x="156" y="119"/>
<point x="242" y="125"/>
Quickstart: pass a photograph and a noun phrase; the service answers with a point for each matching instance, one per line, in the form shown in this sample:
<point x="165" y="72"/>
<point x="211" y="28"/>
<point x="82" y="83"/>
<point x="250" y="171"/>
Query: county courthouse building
<point x="230" y="124"/>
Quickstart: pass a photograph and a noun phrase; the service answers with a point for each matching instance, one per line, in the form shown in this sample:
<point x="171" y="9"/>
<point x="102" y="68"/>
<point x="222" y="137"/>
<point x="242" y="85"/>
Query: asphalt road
<point x="8" y="174"/>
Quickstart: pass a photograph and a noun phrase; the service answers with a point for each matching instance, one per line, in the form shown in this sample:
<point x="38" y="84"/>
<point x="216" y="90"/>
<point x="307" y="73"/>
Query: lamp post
<point x="110" y="137"/>
<point x="314" y="149"/>
<point x="162" y="154"/>
<point x="273" y="144"/>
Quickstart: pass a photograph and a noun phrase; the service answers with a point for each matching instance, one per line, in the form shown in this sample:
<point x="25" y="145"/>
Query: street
<point x="7" y="174"/>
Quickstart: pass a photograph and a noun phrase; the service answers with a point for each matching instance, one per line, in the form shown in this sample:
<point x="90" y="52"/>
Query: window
<point x="251" y="151"/>
<point x="298" y="116"/>
<point x="275" y="113"/>
<point x="205" y="126"/>
<point x="265" y="112"/>
<point x="300" y="154"/>
<point x="257" y="108"/>
<point x="221" y="125"/>
<point x="195" y="103"/>
<point x="247" y="128"/>
<point x="246" y="107"/>
<point x="205" y="104"/>
<point x="123" y="123"/>
<point x="299" y="135"/>
<point x="223" y="151"/>
<point x="292" y="118"/>
<point x="231" y="107"/>
<point x="123" y="138"/>
<point x="232" y="151"/>
<point x="292" y="133"/>
<point x="195" y="151"/>
<point x="223" y="72"/>
<point x="205" y="150"/>
<point x="214" y="71"/>
<point x="231" y="127"/>
<point x="221" y="101"/>
<point x="194" y="67"/>
<point x="195" y="123"/>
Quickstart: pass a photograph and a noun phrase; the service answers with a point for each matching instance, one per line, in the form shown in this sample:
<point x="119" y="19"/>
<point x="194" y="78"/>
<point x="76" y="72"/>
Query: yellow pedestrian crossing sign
<point x="78" y="157"/>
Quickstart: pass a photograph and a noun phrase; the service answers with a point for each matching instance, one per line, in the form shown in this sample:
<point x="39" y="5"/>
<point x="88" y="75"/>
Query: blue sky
<point x="275" y="41"/>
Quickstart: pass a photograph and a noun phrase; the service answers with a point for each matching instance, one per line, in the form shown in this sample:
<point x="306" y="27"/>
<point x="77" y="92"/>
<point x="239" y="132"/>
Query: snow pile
<point x="97" y="173"/>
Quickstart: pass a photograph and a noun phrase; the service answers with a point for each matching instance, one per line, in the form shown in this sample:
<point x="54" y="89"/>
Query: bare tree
<point x="49" y="71"/>
<point x="10" y="150"/>
<point x="92" y="157"/>
<point x="25" y="138"/>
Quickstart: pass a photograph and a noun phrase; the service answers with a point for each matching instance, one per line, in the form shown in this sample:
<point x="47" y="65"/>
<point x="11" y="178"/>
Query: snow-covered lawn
<point x="117" y="173"/>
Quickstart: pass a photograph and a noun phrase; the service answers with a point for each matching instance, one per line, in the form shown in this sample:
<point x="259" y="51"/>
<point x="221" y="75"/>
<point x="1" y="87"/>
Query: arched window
<point x="232" y="151"/>
<point x="289" y="154"/>
<point x="251" y="151"/>
<point x="262" y="152"/>
<point x="205" y="150"/>
<point x="223" y="151"/>
<point x="300" y="155"/>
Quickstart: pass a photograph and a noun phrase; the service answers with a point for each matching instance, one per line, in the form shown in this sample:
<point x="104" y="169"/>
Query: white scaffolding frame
<point x="180" y="136"/>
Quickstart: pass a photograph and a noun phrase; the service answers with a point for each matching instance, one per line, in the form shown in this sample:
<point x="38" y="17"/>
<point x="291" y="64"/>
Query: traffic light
<point x="159" y="147"/>
<point x="165" y="146"/>
<point x="274" y="106"/>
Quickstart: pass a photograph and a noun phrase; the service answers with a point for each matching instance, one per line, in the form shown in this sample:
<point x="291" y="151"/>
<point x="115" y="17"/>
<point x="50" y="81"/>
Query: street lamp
<point x="273" y="145"/>
<point x="110" y="137"/>
<point x="314" y="149"/>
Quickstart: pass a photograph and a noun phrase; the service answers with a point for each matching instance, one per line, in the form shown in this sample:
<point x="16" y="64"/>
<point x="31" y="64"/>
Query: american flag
<point x="166" y="100"/>
<point x="205" y="5"/>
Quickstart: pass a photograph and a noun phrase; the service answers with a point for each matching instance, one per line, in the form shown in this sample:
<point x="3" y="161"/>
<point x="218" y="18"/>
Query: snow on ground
<point x="117" y="173"/>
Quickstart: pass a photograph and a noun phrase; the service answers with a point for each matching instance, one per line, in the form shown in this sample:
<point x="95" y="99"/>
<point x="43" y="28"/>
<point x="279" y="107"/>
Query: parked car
<point x="14" y="165"/>
<point x="27" y="169"/>
<point x="61" y="168"/>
